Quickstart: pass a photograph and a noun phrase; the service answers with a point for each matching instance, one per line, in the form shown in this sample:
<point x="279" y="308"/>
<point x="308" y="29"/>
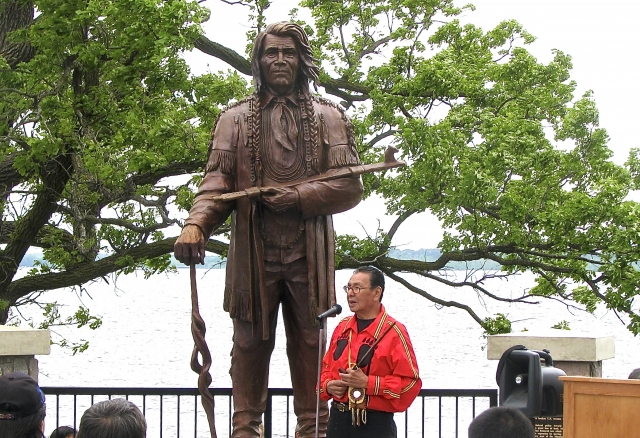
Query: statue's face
<point x="280" y="63"/>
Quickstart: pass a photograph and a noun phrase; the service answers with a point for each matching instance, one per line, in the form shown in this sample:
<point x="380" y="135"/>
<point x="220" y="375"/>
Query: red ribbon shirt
<point x="394" y="380"/>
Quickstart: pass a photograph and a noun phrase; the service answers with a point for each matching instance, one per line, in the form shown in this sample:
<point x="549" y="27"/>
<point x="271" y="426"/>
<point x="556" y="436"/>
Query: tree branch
<point x="123" y="223"/>
<point x="9" y="176"/>
<point x="88" y="271"/>
<point x="43" y="238"/>
<point x="15" y="15"/>
<point x="430" y="297"/>
<point x="374" y="45"/>
<point x="56" y="174"/>
<point x="399" y="221"/>
<point x="231" y="57"/>
<point x="477" y="286"/>
<point x="381" y="136"/>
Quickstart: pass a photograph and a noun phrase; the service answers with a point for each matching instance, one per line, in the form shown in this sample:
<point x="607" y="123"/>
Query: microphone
<point x="335" y="310"/>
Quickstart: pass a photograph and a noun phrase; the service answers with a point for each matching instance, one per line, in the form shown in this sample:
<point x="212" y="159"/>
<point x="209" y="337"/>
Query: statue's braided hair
<point x="308" y="73"/>
<point x="255" y="120"/>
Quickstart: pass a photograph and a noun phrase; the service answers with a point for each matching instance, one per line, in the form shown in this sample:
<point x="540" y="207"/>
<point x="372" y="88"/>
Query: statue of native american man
<point x="282" y="243"/>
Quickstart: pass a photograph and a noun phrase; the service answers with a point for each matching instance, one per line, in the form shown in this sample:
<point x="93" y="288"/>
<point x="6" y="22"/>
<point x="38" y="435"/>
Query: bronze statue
<point x="282" y="242"/>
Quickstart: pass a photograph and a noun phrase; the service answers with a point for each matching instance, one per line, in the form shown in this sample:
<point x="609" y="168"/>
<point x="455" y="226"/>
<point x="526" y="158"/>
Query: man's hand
<point x="279" y="199"/>
<point x="189" y="247"/>
<point x="337" y="388"/>
<point x="355" y="378"/>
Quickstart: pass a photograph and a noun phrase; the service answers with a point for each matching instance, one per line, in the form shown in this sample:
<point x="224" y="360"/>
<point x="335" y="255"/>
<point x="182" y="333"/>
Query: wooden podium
<point x="601" y="408"/>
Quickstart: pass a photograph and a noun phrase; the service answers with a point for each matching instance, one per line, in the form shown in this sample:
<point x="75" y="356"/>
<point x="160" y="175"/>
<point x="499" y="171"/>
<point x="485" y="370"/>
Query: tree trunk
<point x="55" y="175"/>
<point x="14" y="15"/>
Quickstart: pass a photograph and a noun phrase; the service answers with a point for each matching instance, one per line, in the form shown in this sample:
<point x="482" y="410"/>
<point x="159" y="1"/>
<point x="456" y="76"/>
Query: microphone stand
<point x="320" y="345"/>
<point x="335" y="310"/>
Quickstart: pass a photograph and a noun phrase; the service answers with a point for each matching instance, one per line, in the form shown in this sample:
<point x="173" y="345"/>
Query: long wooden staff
<point x="198" y="330"/>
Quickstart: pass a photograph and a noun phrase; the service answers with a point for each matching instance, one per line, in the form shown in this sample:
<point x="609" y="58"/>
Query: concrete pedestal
<point x="575" y="353"/>
<point x="18" y="347"/>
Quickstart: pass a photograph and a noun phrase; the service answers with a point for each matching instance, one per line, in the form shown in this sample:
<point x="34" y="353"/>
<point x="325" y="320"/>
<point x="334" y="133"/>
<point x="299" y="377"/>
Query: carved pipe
<point x="390" y="162"/>
<point x="198" y="330"/>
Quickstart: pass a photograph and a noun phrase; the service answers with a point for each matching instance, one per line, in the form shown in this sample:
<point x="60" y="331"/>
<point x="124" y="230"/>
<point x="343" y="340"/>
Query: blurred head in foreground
<point x="22" y="407"/>
<point x="501" y="422"/>
<point x="63" y="432"/>
<point x="117" y="418"/>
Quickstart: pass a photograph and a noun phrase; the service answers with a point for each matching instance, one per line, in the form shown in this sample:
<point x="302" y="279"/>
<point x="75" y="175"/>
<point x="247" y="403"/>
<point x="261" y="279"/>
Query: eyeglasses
<point x="356" y="289"/>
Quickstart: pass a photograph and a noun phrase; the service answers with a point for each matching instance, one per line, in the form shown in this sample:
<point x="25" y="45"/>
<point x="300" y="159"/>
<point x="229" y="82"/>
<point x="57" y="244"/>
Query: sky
<point x="601" y="37"/>
<point x="604" y="43"/>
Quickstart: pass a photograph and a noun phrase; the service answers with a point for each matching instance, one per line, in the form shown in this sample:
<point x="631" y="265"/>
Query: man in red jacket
<point x="370" y="369"/>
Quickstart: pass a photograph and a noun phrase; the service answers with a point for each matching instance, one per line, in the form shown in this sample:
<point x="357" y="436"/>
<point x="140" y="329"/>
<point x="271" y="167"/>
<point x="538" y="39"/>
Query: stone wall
<point x="23" y="364"/>
<point x="18" y="348"/>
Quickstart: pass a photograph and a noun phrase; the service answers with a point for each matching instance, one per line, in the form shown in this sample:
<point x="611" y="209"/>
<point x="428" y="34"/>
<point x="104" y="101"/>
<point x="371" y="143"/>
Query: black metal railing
<point x="176" y="412"/>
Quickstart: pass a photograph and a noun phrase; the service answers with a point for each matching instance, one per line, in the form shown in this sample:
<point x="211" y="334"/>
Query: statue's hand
<point x="189" y="247"/>
<point x="280" y="199"/>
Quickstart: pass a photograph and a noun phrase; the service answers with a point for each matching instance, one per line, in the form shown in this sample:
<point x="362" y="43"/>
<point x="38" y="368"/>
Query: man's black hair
<point x="376" y="277"/>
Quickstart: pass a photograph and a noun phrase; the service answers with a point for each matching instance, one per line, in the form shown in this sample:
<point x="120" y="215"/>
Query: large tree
<point x="103" y="138"/>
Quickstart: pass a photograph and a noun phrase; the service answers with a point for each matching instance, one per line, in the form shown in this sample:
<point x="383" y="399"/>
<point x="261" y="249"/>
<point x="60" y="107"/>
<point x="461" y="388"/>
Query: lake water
<point x="145" y="339"/>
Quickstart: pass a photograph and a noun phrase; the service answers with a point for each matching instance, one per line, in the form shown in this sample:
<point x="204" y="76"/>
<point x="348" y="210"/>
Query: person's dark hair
<point x="308" y="69"/>
<point x="63" y="432"/>
<point x="501" y="422"/>
<point x="113" y="418"/>
<point x="376" y="277"/>
<point x="25" y="427"/>
<point x="635" y="374"/>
